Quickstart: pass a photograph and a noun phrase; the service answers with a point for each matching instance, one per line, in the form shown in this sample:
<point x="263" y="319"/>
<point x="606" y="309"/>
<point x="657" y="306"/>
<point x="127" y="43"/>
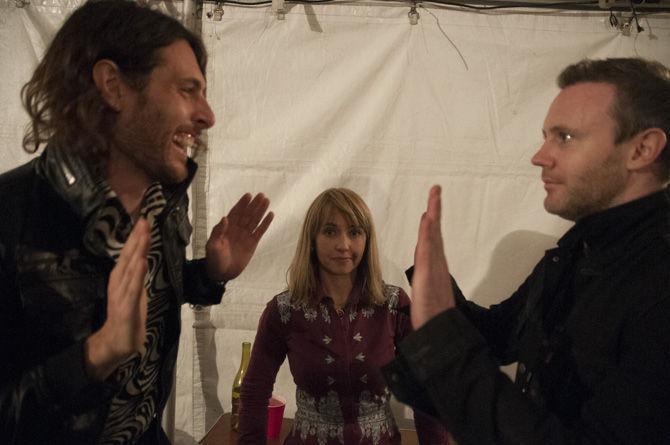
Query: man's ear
<point x="647" y="147"/>
<point x="108" y="80"/>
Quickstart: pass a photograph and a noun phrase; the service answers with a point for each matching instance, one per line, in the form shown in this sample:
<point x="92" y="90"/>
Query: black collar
<point x="72" y="178"/>
<point x="600" y="230"/>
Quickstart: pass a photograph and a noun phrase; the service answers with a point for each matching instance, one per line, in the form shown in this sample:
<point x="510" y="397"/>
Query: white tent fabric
<point x="353" y="95"/>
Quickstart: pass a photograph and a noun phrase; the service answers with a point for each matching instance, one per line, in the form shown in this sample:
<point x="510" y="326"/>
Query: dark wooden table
<point x="220" y="434"/>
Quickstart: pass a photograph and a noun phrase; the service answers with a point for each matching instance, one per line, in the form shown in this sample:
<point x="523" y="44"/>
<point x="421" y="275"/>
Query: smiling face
<point x="583" y="170"/>
<point x="339" y="246"/>
<point x="157" y="124"/>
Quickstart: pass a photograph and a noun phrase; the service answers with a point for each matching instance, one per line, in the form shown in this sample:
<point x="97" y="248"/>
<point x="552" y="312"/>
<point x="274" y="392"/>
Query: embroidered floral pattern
<point x="284" y="306"/>
<point x="392" y="298"/>
<point x="323" y="417"/>
<point x="367" y="312"/>
<point x="375" y="417"/>
<point x="310" y="313"/>
<point x="340" y="408"/>
<point x="324" y="313"/>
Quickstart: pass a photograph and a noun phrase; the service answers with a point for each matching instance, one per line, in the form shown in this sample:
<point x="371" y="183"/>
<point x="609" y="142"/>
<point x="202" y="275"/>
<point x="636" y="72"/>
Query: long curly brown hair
<point x="61" y="98"/>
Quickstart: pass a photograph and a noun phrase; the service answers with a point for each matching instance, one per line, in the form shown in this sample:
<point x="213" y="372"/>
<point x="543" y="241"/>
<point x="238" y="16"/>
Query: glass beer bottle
<point x="237" y="385"/>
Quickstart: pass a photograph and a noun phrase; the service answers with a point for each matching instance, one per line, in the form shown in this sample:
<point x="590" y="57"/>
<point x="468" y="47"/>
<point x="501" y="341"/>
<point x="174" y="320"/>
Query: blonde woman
<point x="337" y="323"/>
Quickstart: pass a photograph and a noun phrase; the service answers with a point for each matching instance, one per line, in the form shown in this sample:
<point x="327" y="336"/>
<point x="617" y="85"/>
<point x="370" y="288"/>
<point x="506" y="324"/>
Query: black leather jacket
<point x="589" y="328"/>
<point x="53" y="294"/>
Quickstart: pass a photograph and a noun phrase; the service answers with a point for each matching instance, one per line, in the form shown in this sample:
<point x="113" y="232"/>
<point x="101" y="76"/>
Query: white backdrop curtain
<point x="353" y="95"/>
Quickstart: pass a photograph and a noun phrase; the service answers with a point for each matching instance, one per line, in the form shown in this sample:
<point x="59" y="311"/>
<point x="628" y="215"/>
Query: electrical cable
<point x="489" y="5"/>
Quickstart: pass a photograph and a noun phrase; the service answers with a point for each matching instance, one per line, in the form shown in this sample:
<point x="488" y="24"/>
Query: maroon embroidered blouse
<point x="334" y="358"/>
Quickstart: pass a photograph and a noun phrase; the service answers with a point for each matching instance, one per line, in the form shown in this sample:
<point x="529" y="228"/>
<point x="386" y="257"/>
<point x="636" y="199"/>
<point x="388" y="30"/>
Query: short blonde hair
<point x="303" y="273"/>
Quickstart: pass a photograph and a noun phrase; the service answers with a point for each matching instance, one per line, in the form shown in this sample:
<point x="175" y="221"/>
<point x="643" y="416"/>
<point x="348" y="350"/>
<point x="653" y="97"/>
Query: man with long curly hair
<point x="94" y="230"/>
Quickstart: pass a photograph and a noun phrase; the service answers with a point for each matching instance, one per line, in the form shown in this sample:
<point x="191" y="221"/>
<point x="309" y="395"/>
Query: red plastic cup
<point x="275" y="416"/>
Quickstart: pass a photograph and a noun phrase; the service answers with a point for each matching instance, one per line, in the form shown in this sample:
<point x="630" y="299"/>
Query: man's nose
<point x="204" y="116"/>
<point x="542" y="157"/>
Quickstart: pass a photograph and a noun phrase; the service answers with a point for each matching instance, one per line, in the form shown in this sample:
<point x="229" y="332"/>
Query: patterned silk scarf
<point x="133" y="408"/>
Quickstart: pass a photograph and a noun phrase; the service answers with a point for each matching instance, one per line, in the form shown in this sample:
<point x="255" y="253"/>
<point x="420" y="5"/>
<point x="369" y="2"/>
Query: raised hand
<point x="234" y="239"/>
<point x="124" y="330"/>
<point x="431" y="282"/>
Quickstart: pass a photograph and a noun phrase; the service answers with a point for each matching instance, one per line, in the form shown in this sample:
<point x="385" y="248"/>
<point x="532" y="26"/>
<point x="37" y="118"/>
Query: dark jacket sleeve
<point x="45" y="394"/>
<point x="451" y="368"/>
<point x="198" y="288"/>
<point x="430" y="430"/>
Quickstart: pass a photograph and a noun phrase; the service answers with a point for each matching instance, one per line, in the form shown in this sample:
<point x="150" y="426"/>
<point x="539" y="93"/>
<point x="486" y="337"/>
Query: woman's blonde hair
<point x="303" y="272"/>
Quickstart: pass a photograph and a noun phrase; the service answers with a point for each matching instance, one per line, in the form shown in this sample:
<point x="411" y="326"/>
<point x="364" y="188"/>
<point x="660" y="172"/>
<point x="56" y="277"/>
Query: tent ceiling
<point x="616" y="5"/>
